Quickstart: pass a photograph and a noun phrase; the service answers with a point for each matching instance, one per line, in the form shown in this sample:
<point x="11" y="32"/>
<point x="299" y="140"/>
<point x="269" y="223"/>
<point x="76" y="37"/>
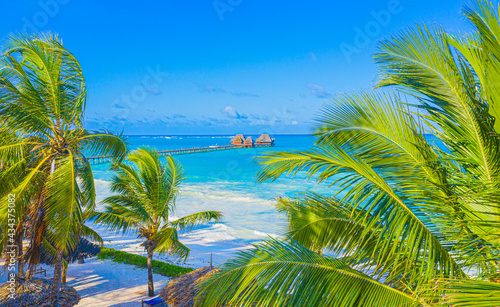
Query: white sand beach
<point x="106" y="283"/>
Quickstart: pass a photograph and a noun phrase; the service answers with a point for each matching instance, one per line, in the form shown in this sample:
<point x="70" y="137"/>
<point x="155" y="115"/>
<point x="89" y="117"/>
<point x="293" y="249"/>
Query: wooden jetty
<point x="239" y="141"/>
<point x="194" y="150"/>
<point x="184" y="151"/>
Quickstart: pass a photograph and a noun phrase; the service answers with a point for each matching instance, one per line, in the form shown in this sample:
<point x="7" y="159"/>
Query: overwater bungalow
<point x="238" y="140"/>
<point x="249" y="142"/>
<point x="264" y="140"/>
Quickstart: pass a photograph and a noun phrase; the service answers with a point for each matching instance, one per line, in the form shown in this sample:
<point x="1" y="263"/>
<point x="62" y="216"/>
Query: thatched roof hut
<point x="265" y="139"/>
<point x="36" y="292"/>
<point x="181" y="291"/>
<point x="239" y="139"/>
<point x="248" y="142"/>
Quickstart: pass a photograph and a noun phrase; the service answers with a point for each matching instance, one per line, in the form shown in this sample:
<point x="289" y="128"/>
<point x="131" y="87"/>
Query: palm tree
<point x="83" y="231"/>
<point x="42" y="98"/>
<point x="144" y="201"/>
<point x="414" y="218"/>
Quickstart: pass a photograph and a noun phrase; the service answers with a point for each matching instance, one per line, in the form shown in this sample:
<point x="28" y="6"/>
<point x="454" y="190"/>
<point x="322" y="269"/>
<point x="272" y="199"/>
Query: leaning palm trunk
<point x="151" y="289"/>
<point x="54" y="294"/>
<point x="64" y="272"/>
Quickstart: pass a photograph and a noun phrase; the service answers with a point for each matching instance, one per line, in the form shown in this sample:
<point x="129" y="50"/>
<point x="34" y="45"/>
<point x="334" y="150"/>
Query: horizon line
<point x="226" y="134"/>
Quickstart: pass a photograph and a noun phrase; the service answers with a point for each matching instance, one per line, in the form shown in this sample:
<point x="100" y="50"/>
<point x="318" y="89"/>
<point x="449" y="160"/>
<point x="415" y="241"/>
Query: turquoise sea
<point x="225" y="181"/>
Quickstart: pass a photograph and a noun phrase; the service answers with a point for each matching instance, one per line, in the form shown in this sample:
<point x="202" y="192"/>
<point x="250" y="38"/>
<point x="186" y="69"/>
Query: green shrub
<point x="159" y="267"/>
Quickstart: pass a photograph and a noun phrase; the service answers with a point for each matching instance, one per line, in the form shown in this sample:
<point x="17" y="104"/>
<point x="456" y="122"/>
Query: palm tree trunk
<point x="20" y="263"/>
<point x="56" y="283"/>
<point x="151" y="289"/>
<point x="64" y="271"/>
<point x="54" y="294"/>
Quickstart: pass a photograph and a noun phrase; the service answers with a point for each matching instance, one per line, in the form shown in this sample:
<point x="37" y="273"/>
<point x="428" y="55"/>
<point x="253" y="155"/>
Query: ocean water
<point x="225" y="181"/>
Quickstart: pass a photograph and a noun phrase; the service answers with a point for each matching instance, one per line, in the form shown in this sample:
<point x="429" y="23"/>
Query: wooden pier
<point x="184" y="151"/>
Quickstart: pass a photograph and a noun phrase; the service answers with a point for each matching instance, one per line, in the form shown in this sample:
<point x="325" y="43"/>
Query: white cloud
<point x="319" y="91"/>
<point x="231" y="112"/>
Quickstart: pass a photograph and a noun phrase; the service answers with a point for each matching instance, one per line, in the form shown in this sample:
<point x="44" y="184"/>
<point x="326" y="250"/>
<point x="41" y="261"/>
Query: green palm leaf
<point x="471" y="293"/>
<point x="61" y="203"/>
<point x="422" y="62"/>
<point x="277" y="273"/>
<point x="191" y="221"/>
<point x="384" y="210"/>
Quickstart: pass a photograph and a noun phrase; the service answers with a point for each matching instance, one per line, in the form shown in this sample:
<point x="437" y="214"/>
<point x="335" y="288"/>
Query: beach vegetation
<point x="158" y="267"/>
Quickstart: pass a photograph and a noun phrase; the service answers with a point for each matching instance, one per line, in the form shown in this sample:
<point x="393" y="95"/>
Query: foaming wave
<point x="102" y="191"/>
<point x="225" y="196"/>
<point x="214" y="193"/>
<point x="214" y="233"/>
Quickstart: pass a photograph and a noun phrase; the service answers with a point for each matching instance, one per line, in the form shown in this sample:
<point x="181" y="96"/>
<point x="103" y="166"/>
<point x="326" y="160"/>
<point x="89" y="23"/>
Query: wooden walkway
<point x="185" y="151"/>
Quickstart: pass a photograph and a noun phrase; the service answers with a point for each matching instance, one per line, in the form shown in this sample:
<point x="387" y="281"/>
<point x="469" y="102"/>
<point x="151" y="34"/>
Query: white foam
<point x="261" y="234"/>
<point x="247" y="217"/>
<point x="214" y="233"/>
<point x="102" y="191"/>
<point x="214" y="193"/>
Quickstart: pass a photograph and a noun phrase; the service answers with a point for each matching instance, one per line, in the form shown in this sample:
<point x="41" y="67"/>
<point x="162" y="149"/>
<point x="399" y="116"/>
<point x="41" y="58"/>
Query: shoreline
<point x="201" y="248"/>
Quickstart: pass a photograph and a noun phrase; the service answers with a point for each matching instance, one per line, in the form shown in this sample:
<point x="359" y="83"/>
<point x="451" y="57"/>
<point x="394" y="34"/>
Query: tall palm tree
<point x="414" y="218"/>
<point x="43" y="98"/>
<point x="144" y="201"/>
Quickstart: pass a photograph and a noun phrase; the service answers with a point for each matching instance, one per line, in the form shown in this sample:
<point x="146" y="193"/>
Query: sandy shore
<point x="106" y="283"/>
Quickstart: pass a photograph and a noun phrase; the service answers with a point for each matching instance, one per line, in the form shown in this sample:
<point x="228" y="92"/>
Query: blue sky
<point x="223" y="66"/>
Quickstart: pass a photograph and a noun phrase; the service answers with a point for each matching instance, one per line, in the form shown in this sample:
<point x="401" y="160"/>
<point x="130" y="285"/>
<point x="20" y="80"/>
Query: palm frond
<point x="87" y="188"/>
<point x="277" y="273"/>
<point x="161" y="181"/>
<point x="48" y="83"/>
<point x="91" y="234"/>
<point x="422" y="62"/>
<point x="61" y="203"/>
<point x="386" y="211"/>
<point x="318" y="222"/>
<point x="481" y="51"/>
<point x="167" y="242"/>
<point x="465" y="292"/>
<point x="115" y="221"/>
<point x="105" y="144"/>
<point x="191" y="221"/>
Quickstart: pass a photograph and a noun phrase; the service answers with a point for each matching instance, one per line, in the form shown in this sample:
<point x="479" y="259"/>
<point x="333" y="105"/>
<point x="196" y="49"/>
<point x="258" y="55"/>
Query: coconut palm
<point x="145" y="199"/>
<point x="42" y="99"/>
<point x="414" y="217"/>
